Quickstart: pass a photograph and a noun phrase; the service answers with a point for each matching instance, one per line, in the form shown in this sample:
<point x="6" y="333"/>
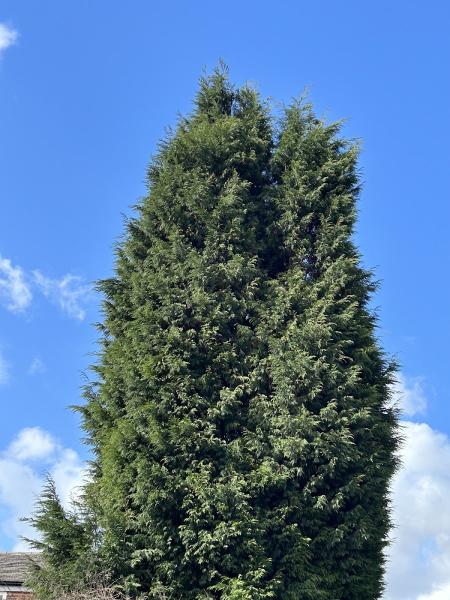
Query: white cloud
<point x="69" y="293"/>
<point x="36" y="367"/>
<point x="19" y="486"/>
<point x="409" y="395"/>
<point x="4" y="370"/>
<point x="32" y="443"/>
<point x="8" y="37"/>
<point x="22" y="478"/>
<point x="442" y="593"/>
<point x="419" y="558"/>
<point x="69" y="474"/>
<point x="14" y="289"/>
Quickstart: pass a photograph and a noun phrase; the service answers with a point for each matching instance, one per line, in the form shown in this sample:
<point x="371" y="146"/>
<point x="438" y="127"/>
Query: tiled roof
<point x="15" y="566"/>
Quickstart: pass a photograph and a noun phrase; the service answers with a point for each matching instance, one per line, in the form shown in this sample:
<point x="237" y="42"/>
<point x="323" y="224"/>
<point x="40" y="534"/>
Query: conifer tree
<point x="67" y="542"/>
<point x="331" y="428"/>
<point x="240" y="423"/>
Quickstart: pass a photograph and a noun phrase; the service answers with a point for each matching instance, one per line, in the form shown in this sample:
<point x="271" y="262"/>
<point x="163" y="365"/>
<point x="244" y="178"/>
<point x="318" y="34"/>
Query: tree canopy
<point x="240" y="420"/>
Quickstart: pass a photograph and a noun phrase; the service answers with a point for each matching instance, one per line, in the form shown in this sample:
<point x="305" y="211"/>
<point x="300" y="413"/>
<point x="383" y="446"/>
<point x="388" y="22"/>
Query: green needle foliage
<point x="240" y="421"/>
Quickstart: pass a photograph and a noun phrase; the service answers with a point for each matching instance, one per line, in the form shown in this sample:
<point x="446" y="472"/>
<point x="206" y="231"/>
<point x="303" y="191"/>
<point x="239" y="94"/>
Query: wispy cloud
<point x="419" y="557"/>
<point x="14" y="289"/>
<point x="4" y="370"/>
<point x="8" y="37"/>
<point x="442" y="593"/>
<point x="409" y="395"/>
<point x="21" y="478"/>
<point x="36" y="367"/>
<point x="69" y="293"/>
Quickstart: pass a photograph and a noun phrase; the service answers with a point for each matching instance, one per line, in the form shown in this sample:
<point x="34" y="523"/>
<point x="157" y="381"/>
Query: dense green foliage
<point x="67" y="541"/>
<point x="240" y="422"/>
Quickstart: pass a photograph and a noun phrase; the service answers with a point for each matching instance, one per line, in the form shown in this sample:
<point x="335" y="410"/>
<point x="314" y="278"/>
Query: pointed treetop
<point x="216" y="95"/>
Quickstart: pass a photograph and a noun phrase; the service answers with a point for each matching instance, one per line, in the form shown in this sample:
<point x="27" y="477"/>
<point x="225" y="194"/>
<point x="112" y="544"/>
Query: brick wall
<point x="19" y="596"/>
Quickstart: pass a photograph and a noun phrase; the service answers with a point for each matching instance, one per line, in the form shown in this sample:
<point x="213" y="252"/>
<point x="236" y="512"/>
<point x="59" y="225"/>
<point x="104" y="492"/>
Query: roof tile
<point x="15" y="566"/>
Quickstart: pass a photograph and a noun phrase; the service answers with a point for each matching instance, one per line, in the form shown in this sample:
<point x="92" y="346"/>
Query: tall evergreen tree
<point x="330" y="426"/>
<point x="242" y="435"/>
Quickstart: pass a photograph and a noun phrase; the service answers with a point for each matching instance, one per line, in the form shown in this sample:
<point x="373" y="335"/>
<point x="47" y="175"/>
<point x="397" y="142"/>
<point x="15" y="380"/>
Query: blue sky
<point x="86" y="91"/>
